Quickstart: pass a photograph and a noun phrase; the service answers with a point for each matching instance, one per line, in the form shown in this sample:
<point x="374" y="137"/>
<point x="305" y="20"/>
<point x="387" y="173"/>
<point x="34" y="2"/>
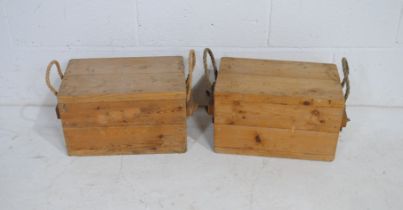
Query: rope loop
<point x="346" y="81"/>
<point x="207" y="51"/>
<point x="59" y="71"/>
<point x="191" y="106"/>
<point x="192" y="64"/>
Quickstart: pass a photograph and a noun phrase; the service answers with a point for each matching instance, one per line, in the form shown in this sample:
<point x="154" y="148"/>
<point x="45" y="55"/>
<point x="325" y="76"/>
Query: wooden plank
<point x="80" y="88"/>
<point x="297" y="117"/>
<point x="275" y="142"/>
<point x="138" y="65"/>
<point x="122" y="97"/>
<point x="274" y="68"/>
<point x="78" y="85"/>
<point x="280" y="86"/>
<point x="283" y="100"/>
<point x="123" y="113"/>
<point x="126" y="140"/>
<point x="280" y="154"/>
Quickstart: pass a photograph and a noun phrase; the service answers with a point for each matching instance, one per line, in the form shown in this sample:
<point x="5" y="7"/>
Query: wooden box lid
<point x="123" y="79"/>
<point x="280" y="82"/>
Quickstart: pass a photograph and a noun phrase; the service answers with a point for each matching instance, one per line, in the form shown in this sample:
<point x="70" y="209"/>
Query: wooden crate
<point x="123" y="105"/>
<point x="278" y="108"/>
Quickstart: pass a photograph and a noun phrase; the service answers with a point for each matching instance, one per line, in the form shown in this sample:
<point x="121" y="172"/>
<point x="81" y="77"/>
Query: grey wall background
<point x="368" y="32"/>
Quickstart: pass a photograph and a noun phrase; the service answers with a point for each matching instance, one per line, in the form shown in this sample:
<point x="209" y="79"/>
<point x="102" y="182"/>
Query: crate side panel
<point x="124" y="113"/>
<point x="275" y="142"/>
<point x="109" y="84"/>
<point x="298" y="117"/>
<point x="279" y="99"/>
<point x="312" y="89"/>
<point x="126" y="140"/>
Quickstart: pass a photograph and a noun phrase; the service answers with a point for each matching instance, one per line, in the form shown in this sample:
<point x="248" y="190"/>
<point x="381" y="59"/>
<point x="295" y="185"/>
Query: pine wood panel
<point x="275" y="142"/>
<point x="123" y="113"/>
<point x="275" y="68"/>
<point x="122" y="97"/>
<point x="280" y="154"/>
<point x="297" y="117"/>
<point x="138" y="65"/>
<point x="282" y="87"/>
<point x="79" y="85"/>
<point x="282" y="100"/>
<point x="126" y="140"/>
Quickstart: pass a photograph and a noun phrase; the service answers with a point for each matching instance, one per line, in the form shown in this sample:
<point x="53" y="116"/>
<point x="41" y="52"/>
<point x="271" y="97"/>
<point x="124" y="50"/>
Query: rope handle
<point x="345" y="83"/>
<point x="191" y="64"/>
<point x="210" y="91"/>
<point x="207" y="51"/>
<point x="346" y="80"/>
<point x="191" y="106"/>
<point x="59" y="71"/>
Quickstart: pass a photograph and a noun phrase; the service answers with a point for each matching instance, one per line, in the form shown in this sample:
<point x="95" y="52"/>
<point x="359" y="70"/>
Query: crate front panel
<point x="298" y="117"/>
<point x="123" y="113"/>
<point x="126" y="140"/>
<point x="275" y="142"/>
<point x="282" y="87"/>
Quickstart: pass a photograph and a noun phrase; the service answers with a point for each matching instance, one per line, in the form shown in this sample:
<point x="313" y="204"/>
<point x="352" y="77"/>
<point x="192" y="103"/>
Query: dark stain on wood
<point x="258" y="139"/>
